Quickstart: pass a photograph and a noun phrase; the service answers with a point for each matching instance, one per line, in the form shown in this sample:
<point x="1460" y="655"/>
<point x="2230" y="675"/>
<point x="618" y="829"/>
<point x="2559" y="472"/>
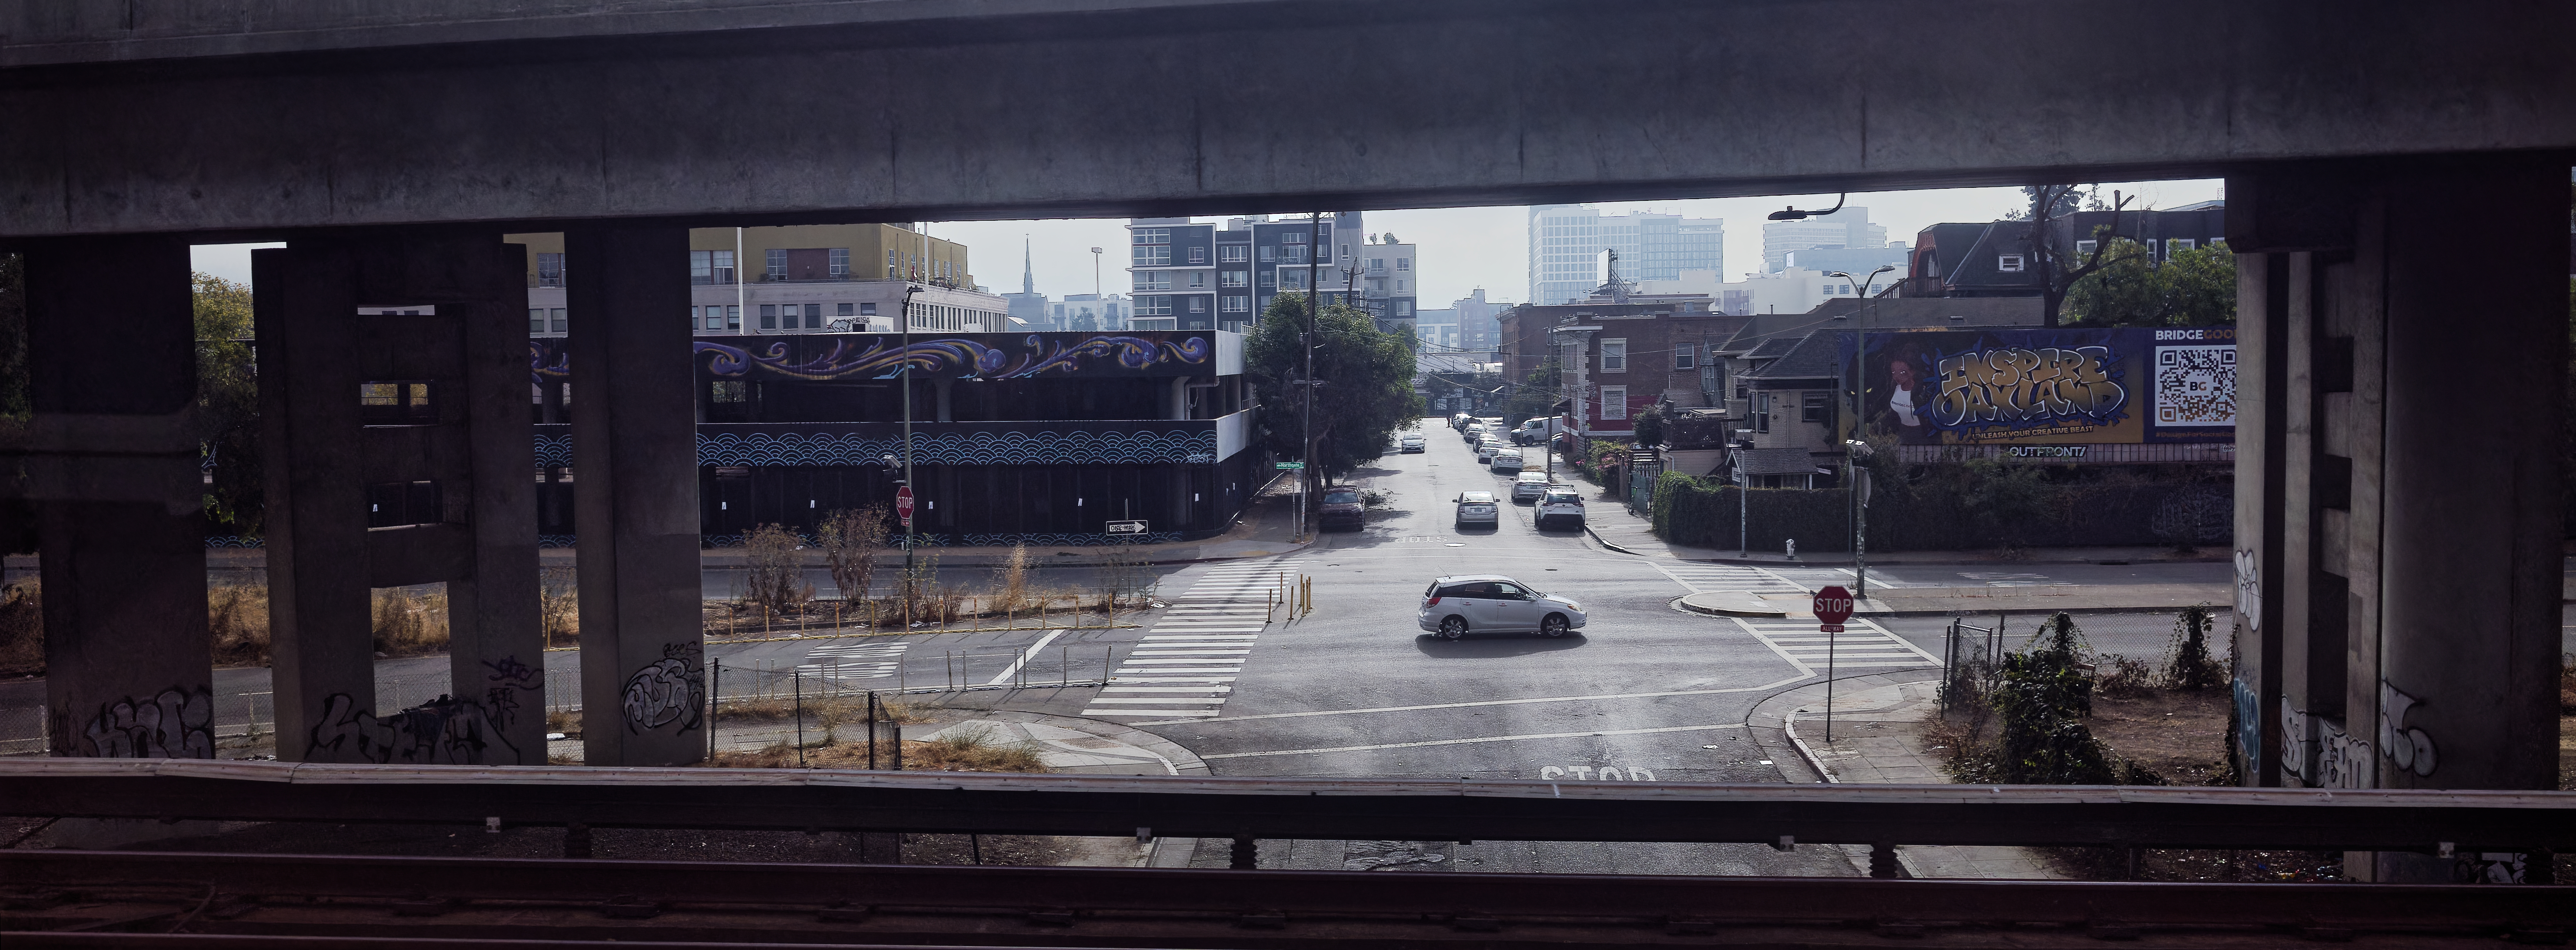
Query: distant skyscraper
<point x="1847" y="228"/>
<point x="1566" y="241"/>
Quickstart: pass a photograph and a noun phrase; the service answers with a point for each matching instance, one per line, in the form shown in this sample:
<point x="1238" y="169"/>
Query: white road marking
<point x="1210" y="628"/>
<point x="1705" y="578"/>
<point x="1512" y="702"/>
<point x="1021" y="660"/>
<point x="860" y="659"/>
<point x="1861" y="644"/>
<point x="1479" y="739"/>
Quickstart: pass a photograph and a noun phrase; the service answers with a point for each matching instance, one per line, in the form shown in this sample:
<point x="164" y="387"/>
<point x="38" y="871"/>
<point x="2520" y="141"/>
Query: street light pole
<point x="1855" y="446"/>
<point x="1306" y="339"/>
<point x="904" y="372"/>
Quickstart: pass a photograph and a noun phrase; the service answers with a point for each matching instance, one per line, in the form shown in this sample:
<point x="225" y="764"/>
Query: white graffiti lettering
<point x="666" y="691"/>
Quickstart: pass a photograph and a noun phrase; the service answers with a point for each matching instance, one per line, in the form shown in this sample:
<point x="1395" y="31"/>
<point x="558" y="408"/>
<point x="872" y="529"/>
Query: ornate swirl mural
<point x="876" y="356"/>
<point x="955" y="448"/>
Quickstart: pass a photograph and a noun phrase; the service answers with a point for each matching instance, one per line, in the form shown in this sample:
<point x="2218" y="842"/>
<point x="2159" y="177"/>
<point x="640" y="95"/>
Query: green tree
<point x="1367" y="392"/>
<point x="228" y="404"/>
<point x="1536" y="396"/>
<point x="2006" y="499"/>
<point x="2195" y="288"/>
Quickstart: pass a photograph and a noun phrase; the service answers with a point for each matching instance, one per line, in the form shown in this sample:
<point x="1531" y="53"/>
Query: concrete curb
<point x="1605" y="542"/>
<point x="1713" y="607"/>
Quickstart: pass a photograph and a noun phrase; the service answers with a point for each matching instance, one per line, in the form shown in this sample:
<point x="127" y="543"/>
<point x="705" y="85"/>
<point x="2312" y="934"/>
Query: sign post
<point x="903" y="504"/>
<point x="1833" y="605"/>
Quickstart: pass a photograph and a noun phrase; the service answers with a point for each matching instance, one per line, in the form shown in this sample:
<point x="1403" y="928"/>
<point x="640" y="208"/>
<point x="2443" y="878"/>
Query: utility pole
<point x="1306" y="445"/>
<point x="1854" y="447"/>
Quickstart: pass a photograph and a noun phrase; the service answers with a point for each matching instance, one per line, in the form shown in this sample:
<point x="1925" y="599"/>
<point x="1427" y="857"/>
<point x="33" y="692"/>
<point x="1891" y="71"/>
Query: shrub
<point x="2188" y="664"/>
<point x="409" y="623"/>
<point x="2041" y="704"/>
<point x="774" y="575"/>
<point x="850" y="541"/>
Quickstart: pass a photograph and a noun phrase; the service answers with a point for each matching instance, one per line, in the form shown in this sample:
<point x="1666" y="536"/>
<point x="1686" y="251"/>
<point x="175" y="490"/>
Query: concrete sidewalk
<point x="1878" y="739"/>
<point x="1974" y="602"/>
<point x="1627" y="532"/>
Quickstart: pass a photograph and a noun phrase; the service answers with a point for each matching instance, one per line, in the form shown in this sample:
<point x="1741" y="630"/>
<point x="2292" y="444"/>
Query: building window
<point x="2008" y="263"/>
<point x="1198" y="279"/>
<point x="1403" y="309"/>
<point x="1614" y="402"/>
<point x="1269" y="255"/>
<point x="1235" y="304"/>
<point x="710" y="267"/>
<point x="1811" y="407"/>
<point x="1153" y="306"/>
<point x="536" y="320"/>
<point x="1293" y="237"/>
<point x="1292" y="255"/>
<point x="733" y="318"/>
<point x="1234" y="253"/>
<point x="1761" y="412"/>
<point x="776" y="258"/>
<point x="769" y="316"/>
<point x="1614" y="356"/>
<point x="714" y="317"/>
<point x="555" y="315"/>
<point x="2173" y="245"/>
<point x="813" y="316"/>
<point x="1154" y="280"/>
<point x="1684" y="359"/>
<point x="840" y="262"/>
<point x="847" y="310"/>
<point x="1292" y="280"/>
<point x="1269" y="279"/>
<point x="729" y="390"/>
<point x="1153" y="247"/>
<point x="890" y="264"/>
<point x="550" y="270"/>
<point x="1377" y="263"/>
<point x="1198" y="305"/>
<point x="1234" y="278"/>
<point x="1399" y="285"/>
<point x="867" y="310"/>
<point x="1404" y="263"/>
<point x="1198" y="255"/>
<point x="2086" y="247"/>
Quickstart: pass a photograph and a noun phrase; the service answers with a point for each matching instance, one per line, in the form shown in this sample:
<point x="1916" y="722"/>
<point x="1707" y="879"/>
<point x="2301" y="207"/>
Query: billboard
<point x="2028" y="386"/>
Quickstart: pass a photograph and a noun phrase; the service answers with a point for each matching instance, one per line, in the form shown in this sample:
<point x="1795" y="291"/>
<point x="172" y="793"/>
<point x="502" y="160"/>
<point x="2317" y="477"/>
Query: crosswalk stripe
<point x="1209" y="628"/>
<point x="1862" y="643"/>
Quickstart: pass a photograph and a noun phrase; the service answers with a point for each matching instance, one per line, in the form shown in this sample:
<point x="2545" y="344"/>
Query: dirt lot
<point x="2179" y="735"/>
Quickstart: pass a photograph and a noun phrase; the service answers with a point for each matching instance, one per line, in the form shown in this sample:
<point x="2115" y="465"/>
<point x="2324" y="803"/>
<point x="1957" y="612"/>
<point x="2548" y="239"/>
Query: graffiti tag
<point x="669" y="690"/>
<point x="443" y="731"/>
<point x="2410" y="748"/>
<point x="2021" y="386"/>
<point x="177" y="724"/>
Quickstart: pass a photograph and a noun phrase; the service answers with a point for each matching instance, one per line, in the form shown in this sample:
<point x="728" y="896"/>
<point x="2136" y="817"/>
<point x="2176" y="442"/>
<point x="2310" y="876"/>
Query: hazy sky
<point x="1461" y="248"/>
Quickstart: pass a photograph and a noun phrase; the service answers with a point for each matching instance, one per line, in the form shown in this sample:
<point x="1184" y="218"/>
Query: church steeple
<point x="1028" y="269"/>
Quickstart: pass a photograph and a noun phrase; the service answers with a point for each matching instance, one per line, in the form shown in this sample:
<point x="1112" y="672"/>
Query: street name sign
<point x="1126" y="527"/>
<point x="903" y="504"/>
<point x="1833" y="606"/>
<point x="1288" y="466"/>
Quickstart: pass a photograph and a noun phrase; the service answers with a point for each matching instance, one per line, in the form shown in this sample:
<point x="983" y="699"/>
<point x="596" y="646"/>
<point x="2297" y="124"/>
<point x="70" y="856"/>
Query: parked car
<point x="1479" y="507"/>
<point x="1560" y="505"/>
<point x="1487" y="449"/>
<point x="1411" y="442"/>
<point x="1497" y="604"/>
<point x="1507" y="462"/>
<point x="1530" y="486"/>
<point x="1473" y="431"/>
<point x="1341" y="507"/>
<point x="1460" y="420"/>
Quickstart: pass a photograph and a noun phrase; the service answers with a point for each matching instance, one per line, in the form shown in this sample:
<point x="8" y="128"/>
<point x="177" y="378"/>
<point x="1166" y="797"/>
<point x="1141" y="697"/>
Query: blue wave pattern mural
<point x="554" y="449"/>
<point x="875" y="356"/>
<point x="1033" y="539"/>
<point x="955" y="448"/>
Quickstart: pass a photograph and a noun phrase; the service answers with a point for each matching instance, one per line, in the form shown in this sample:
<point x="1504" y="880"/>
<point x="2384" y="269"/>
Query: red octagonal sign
<point x="903" y="510"/>
<point x="1833" y="605"/>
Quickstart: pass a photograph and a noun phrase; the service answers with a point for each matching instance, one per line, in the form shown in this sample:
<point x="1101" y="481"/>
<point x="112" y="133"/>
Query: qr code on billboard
<point x="2195" y="385"/>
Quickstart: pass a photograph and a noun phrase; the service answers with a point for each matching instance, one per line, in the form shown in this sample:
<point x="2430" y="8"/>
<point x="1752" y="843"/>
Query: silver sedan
<point x="1479" y="507"/>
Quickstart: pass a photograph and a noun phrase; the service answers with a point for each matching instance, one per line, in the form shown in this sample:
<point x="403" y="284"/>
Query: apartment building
<point x="806" y="279"/>
<point x="1198" y="275"/>
<point x="1566" y="241"/>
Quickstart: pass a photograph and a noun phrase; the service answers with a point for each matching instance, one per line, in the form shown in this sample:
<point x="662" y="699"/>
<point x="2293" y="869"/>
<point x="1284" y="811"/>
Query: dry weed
<point x="238" y="616"/>
<point x="22" y="629"/>
<point x="409" y="622"/>
<point x="559" y="606"/>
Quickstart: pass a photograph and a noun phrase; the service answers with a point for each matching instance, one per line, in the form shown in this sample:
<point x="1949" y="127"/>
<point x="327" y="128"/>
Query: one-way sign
<point x="1126" y="527"/>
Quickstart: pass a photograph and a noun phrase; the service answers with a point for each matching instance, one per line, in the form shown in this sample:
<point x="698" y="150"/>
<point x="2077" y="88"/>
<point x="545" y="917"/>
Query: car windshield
<point x="1564" y="497"/>
<point x="1476" y="496"/>
<point x="1341" y="497"/>
<point x="1535" y="478"/>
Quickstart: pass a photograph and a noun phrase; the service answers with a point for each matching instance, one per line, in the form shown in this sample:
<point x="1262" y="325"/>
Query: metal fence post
<point x="800" y="716"/>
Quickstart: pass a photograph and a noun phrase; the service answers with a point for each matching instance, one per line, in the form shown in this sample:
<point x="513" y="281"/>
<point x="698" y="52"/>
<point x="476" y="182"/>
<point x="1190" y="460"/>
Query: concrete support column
<point x="2398" y="553"/>
<point x="322" y="654"/>
<point x="111" y="465"/>
<point x="636" y="496"/>
<point x="496" y="643"/>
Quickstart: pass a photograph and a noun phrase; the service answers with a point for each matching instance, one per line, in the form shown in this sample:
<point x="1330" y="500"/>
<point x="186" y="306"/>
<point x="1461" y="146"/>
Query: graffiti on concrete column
<point x="2343" y="760"/>
<point x="443" y="731"/>
<point x="504" y="685"/>
<point x="2249" y="588"/>
<point x="670" y="690"/>
<point x="177" y="724"/>
<point x="2409" y="748"/>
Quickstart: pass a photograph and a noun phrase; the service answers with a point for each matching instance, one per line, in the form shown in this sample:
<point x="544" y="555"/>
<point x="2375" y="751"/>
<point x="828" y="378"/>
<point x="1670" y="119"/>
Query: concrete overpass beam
<point x="2398" y="510"/>
<point x="111" y="465"/>
<point x="636" y="496"/>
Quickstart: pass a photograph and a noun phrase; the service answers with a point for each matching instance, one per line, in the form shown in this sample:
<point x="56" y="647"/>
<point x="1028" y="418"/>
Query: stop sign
<point x="903" y="510"/>
<point x="1833" y="605"/>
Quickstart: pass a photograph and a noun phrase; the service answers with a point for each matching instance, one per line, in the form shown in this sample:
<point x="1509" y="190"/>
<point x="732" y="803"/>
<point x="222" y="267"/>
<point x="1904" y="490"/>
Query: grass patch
<point x="969" y="750"/>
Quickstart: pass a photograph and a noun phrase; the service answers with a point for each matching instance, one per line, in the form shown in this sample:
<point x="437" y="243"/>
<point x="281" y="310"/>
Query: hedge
<point x="1702" y="513"/>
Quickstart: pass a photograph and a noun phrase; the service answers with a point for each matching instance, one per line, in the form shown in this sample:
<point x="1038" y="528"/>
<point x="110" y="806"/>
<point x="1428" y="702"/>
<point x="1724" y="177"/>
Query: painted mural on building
<point x="834" y="356"/>
<point x="2048" y="387"/>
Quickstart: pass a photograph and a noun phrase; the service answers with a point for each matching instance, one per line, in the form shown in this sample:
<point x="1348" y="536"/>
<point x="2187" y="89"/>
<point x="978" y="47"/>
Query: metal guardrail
<point x="458" y="901"/>
<point x="1296" y="808"/>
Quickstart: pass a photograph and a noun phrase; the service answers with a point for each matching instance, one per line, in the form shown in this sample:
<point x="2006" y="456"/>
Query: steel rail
<point x="1137" y="897"/>
<point x="1292" y="808"/>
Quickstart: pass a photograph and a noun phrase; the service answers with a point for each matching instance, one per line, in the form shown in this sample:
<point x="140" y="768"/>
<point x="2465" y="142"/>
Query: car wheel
<point x="1554" y="626"/>
<point x="1453" y="628"/>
